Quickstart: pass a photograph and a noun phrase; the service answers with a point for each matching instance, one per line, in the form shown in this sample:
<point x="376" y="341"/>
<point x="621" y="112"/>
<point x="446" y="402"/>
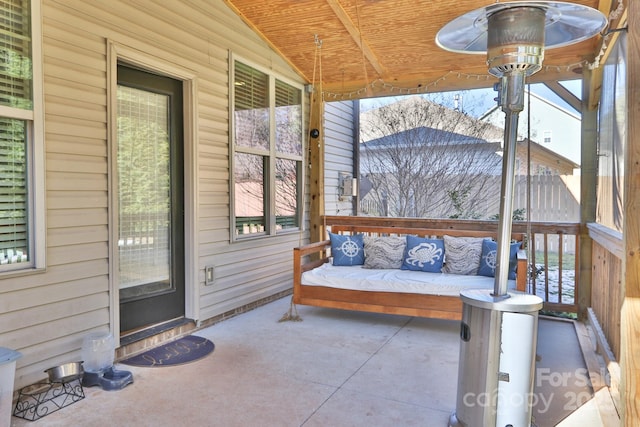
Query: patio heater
<point x="498" y="331"/>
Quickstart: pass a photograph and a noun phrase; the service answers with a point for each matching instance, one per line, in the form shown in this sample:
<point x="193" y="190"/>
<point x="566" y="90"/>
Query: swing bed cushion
<point x="417" y="288"/>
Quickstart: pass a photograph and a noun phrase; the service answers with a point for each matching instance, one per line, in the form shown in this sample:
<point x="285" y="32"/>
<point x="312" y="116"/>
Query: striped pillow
<point x="383" y="252"/>
<point x="462" y="255"/>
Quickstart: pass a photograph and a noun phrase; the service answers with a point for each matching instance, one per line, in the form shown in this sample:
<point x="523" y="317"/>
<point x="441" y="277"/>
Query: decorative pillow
<point x="383" y="252"/>
<point x="462" y="255"/>
<point x="423" y="254"/>
<point x="489" y="259"/>
<point x="347" y="250"/>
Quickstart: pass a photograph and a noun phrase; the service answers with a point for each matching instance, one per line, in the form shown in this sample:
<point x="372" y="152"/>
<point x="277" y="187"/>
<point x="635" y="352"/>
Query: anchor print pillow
<point x="423" y="254"/>
<point x="347" y="250"/>
<point x="489" y="258"/>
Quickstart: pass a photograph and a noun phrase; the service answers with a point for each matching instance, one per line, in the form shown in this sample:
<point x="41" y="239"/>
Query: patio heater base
<point x="497" y="359"/>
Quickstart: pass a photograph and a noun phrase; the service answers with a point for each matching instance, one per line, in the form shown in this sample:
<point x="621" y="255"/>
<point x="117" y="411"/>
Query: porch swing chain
<point x="531" y="275"/>
<point x="292" y="314"/>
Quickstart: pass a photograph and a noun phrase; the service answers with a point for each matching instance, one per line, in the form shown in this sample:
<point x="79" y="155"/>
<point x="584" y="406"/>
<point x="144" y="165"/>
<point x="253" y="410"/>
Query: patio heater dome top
<point x="515" y="34"/>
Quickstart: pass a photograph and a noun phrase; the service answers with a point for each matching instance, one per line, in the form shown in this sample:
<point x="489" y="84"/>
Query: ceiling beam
<point x="355" y="32"/>
<point x="412" y="84"/>
<point x="565" y="94"/>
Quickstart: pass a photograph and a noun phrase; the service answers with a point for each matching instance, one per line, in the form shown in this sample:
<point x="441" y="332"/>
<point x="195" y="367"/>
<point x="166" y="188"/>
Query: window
<point x="21" y="147"/>
<point x="546" y="137"/>
<point x="266" y="153"/>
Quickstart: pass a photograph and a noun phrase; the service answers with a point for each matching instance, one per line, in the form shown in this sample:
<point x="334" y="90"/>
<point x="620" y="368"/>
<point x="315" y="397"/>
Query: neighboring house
<point x="543" y="161"/>
<point x="389" y="119"/>
<point x="448" y="149"/>
<point x="544" y="157"/>
<point x="436" y="172"/>
<point x="418" y="173"/>
<point x="551" y="126"/>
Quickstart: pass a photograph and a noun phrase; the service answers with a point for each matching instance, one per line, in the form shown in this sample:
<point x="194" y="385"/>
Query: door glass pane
<point x="144" y="192"/>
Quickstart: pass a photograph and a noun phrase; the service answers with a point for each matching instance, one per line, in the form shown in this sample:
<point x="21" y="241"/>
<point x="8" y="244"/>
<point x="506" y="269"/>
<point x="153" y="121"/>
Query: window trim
<point x="272" y="153"/>
<point x="35" y="156"/>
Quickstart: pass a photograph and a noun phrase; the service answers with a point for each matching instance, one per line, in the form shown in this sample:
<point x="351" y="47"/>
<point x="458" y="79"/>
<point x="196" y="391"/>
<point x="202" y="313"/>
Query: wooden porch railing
<point x="554" y="264"/>
<point x="606" y="283"/>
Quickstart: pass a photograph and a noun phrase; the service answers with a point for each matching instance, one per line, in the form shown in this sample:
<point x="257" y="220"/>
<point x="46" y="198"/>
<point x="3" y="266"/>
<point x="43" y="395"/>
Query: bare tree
<point x="425" y="160"/>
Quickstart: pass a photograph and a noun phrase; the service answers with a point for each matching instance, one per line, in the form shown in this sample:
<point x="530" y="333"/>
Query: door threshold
<point x="134" y="342"/>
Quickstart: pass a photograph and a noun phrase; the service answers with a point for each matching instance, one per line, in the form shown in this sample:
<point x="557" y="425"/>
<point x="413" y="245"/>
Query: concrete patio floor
<point x="335" y="368"/>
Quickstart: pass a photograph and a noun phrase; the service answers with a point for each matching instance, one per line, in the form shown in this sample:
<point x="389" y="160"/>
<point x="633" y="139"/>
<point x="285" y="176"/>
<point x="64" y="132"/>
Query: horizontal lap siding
<point x="338" y="123"/>
<point x="46" y="315"/>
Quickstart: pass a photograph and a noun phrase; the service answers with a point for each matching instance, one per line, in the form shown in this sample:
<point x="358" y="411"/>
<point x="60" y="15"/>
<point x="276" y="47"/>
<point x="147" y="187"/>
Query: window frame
<point x="271" y="155"/>
<point x="34" y="156"/>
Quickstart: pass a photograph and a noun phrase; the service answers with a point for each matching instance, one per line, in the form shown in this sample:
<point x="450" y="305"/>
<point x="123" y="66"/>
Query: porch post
<point x="316" y="166"/>
<point x="630" y="315"/>
<point x="588" y="180"/>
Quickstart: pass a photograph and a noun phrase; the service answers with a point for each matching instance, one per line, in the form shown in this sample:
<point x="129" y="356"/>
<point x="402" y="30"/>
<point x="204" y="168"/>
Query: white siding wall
<point x="339" y="133"/>
<point x="46" y="315"/>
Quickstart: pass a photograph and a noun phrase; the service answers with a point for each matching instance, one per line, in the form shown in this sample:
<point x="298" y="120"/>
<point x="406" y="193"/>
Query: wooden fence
<point x="553" y="198"/>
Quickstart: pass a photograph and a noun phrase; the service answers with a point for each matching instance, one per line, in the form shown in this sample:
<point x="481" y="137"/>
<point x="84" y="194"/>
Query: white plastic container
<point x="8" y="359"/>
<point x="98" y="352"/>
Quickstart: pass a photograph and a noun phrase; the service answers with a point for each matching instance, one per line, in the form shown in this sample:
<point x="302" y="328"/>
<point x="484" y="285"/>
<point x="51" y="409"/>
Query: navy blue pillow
<point x="347" y="250"/>
<point x="422" y="254"/>
<point x="489" y="259"/>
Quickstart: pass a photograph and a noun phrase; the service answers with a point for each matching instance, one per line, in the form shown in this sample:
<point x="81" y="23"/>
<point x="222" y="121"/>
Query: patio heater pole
<point x="498" y="331"/>
<point x="511" y="99"/>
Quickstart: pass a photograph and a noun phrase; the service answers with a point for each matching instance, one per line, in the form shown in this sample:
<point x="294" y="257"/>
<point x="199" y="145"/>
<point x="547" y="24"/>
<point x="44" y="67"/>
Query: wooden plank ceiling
<point x="366" y="48"/>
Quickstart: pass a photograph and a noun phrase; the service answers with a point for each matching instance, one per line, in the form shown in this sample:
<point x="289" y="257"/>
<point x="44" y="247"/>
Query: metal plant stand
<point x="41" y="399"/>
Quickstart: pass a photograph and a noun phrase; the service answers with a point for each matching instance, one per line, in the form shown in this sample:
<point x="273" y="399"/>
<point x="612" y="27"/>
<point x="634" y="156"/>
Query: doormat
<point x="184" y="350"/>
